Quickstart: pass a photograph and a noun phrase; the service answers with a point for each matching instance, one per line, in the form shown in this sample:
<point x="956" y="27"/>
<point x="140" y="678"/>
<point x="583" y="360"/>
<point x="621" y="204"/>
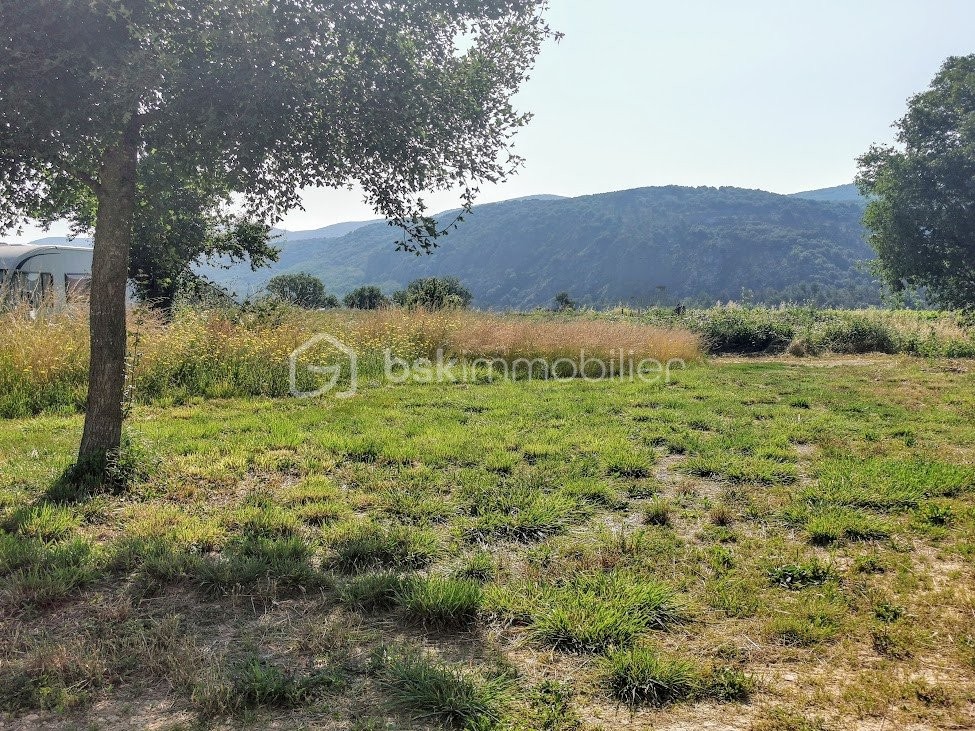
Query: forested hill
<point x="642" y="246"/>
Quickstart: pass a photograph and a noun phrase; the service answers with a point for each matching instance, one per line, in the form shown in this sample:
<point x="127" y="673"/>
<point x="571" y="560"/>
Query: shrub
<point x="741" y="330"/>
<point x="368" y="297"/>
<point x="302" y="290"/>
<point x="435" y="293"/>
<point x="860" y="334"/>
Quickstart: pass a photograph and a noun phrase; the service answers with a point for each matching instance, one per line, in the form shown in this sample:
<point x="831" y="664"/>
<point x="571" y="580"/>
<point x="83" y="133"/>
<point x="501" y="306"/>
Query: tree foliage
<point x="434" y="293"/>
<point x="368" y="297"/>
<point x="921" y="213"/>
<point x="301" y="290"/>
<point x="180" y="222"/>
<point x="257" y="97"/>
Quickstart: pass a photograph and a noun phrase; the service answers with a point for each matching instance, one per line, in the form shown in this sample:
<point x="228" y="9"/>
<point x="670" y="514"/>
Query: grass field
<point x="768" y="545"/>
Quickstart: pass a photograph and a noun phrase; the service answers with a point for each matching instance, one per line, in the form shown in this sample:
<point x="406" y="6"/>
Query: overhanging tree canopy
<point x="262" y="97"/>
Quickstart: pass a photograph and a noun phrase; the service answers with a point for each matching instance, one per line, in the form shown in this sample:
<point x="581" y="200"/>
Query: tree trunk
<point x="109" y="275"/>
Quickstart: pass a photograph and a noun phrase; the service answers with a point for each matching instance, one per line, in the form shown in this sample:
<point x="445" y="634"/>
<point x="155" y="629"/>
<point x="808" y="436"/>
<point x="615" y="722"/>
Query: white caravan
<point x="35" y="273"/>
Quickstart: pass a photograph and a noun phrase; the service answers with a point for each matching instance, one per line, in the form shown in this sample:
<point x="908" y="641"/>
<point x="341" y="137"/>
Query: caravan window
<point x="77" y="286"/>
<point x="31" y="288"/>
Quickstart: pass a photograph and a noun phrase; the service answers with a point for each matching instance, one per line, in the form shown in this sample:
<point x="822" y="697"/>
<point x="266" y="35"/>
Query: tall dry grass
<point x="223" y="353"/>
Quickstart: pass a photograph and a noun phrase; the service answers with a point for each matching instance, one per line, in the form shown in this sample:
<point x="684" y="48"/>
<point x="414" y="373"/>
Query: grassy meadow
<point x="775" y="544"/>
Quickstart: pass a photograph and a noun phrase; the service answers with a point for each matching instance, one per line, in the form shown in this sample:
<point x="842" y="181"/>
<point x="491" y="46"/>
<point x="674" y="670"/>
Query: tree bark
<point x="109" y="274"/>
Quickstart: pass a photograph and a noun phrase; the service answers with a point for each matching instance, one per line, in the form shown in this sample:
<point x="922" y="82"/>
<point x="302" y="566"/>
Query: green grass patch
<point x="441" y="602"/>
<point x="644" y="676"/>
<point x="366" y="545"/>
<point x="887" y="484"/>
<point x="437" y="691"/>
<point x="592" y="612"/>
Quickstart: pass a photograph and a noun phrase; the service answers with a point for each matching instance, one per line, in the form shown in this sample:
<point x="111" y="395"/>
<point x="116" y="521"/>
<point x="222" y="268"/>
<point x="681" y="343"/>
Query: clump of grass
<point x="38" y="575"/>
<point x="595" y="492"/>
<point x="733" y="598"/>
<point x="317" y="514"/>
<point x="811" y="623"/>
<point x="870" y="563"/>
<point x="887" y="612"/>
<point x="721" y="515"/>
<point x="372" y="592"/>
<point x="367" y="545"/>
<point x="436" y="691"/>
<point x="284" y="562"/>
<point x="596" y="612"/>
<point x="644" y="676"/>
<point x="552" y="710"/>
<point x="740" y="469"/>
<point x="721" y="559"/>
<point x="480" y="567"/>
<point x="256" y="682"/>
<point x="658" y="512"/>
<point x="833" y="525"/>
<point x="800" y="575"/>
<point x="624" y="461"/>
<point x="45" y="522"/>
<point x="784" y="719"/>
<point x="315" y="489"/>
<point x="263" y="519"/>
<point x="441" y="602"/>
<point x="892" y="641"/>
<point x="935" y="514"/>
<point x="522" y="511"/>
<point x="886" y="484"/>
<point x="728" y="685"/>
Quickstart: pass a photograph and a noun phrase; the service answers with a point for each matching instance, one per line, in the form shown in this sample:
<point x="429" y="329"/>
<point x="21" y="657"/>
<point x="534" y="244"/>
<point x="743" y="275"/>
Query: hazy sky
<point x="773" y="94"/>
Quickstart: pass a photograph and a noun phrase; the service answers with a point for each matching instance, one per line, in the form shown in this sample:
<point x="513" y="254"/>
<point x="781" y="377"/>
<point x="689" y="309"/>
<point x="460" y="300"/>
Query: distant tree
<point x="368" y="297"/>
<point x="563" y="302"/>
<point x="270" y="96"/>
<point x="435" y="293"/>
<point x="301" y="290"/>
<point x="921" y="210"/>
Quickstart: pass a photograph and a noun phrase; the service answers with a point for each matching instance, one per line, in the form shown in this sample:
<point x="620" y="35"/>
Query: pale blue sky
<point x="780" y="95"/>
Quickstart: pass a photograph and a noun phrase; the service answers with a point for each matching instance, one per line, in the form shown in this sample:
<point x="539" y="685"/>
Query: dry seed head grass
<point x="50" y="348"/>
<point x="485" y="335"/>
